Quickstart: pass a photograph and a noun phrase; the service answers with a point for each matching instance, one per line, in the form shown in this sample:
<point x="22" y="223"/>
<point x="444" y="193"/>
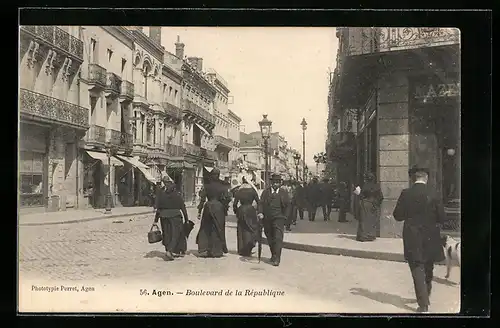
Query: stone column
<point x="156" y="140"/>
<point x="392" y="106"/>
<point x="145" y="129"/>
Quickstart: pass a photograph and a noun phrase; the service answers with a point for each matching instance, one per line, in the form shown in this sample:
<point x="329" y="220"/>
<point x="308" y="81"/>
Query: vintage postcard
<point x="239" y="169"/>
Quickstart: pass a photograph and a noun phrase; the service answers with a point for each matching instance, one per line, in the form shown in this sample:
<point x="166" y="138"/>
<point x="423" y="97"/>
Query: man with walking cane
<point x="274" y="209"/>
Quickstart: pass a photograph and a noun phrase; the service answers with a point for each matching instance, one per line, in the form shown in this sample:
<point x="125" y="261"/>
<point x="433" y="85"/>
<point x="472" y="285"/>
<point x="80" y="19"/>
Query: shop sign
<point x="437" y="90"/>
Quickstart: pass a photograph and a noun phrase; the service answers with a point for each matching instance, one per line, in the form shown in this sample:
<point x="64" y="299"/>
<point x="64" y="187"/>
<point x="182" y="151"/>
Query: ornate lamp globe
<point x="265" y="127"/>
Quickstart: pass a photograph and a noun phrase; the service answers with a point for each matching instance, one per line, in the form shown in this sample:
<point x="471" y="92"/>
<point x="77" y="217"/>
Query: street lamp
<point x="306" y="169"/>
<point x="110" y="151"/>
<point x="304" y="128"/>
<point x="296" y="158"/>
<point x="319" y="158"/>
<point x="265" y="130"/>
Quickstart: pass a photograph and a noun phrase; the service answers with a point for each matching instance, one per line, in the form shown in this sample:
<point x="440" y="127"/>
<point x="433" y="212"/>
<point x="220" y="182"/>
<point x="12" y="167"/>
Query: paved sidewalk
<point x="75" y="216"/>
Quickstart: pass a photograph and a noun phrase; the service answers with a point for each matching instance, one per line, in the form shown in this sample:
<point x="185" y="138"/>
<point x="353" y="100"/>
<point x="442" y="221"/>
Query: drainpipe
<point x="77" y="175"/>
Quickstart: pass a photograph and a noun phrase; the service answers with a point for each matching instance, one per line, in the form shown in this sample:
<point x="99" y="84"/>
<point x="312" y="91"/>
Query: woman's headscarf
<point x="168" y="184"/>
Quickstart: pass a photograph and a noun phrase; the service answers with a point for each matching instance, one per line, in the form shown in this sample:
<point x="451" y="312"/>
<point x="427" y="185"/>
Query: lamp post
<point x="296" y="158"/>
<point x="306" y="169"/>
<point x="304" y="128"/>
<point x="110" y="151"/>
<point x="265" y="130"/>
<point x="319" y="158"/>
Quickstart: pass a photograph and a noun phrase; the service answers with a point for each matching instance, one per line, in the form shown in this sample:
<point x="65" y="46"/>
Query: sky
<point x="279" y="71"/>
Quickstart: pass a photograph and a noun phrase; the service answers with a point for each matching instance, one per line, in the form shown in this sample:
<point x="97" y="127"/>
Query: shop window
<point x="31" y="178"/>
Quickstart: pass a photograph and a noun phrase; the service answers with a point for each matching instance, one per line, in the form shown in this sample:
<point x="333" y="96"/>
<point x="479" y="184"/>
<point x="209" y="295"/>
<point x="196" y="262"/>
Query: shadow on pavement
<point x="445" y="282"/>
<point x="347" y="237"/>
<point x="152" y="254"/>
<point x="385" y="298"/>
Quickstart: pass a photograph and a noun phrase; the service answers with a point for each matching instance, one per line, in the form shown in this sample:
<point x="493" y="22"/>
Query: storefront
<point x="435" y="131"/>
<point x="33" y="165"/>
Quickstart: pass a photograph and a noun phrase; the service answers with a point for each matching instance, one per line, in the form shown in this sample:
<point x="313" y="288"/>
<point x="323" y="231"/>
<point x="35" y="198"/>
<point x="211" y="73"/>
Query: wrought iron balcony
<point x="46" y="108"/>
<point x="126" y="139"/>
<point x="220" y="140"/>
<point x="195" y="110"/>
<point x="382" y="39"/>
<point x="54" y="36"/>
<point x="193" y="150"/>
<point x="174" y="150"/>
<point x="172" y="110"/>
<point x="96" y="134"/>
<point x="113" y="84"/>
<point x="113" y="137"/>
<point x="97" y="75"/>
<point x="127" y="90"/>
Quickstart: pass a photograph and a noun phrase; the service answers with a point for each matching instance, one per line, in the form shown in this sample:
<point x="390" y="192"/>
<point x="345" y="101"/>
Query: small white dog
<point x="452" y="250"/>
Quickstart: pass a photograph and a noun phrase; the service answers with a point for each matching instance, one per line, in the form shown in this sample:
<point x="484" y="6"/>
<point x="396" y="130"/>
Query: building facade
<point x="52" y="117"/>
<point x="107" y="111"/>
<point x="198" y="95"/>
<point x="234" y="122"/>
<point x="223" y="144"/>
<point x="405" y="110"/>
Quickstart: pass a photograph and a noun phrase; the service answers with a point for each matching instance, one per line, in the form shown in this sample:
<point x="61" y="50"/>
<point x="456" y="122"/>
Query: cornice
<point x="154" y="49"/>
<point x="233" y="114"/>
<point x="172" y="73"/>
<point x="222" y="86"/>
<point x="186" y="69"/>
<point x="121" y="34"/>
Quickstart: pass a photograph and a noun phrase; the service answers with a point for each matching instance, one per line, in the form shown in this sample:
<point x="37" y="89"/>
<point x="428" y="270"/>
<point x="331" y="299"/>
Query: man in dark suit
<point x="422" y="214"/>
<point x="313" y="198"/>
<point x="326" y="198"/>
<point x="274" y="209"/>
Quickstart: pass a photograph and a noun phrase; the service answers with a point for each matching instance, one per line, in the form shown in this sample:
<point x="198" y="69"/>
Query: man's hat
<point x="417" y="168"/>
<point x="215" y="172"/>
<point x="275" y="177"/>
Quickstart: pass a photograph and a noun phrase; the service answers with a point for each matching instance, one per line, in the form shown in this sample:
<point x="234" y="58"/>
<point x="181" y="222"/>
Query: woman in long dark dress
<point x="211" y="238"/>
<point x="248" y="225"/>
<point x="370" y="201"/>
<point x="170" y="209"/>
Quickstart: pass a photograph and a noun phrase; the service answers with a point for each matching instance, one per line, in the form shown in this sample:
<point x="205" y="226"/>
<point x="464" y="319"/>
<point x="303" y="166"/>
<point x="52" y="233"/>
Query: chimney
<point x="199" y="64"/>
<point x="155" y="34"/>
<point x="179" y="48"/>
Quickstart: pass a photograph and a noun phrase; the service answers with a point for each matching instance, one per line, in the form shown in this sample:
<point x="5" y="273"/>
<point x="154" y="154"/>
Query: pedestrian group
<point x="281" y="204"/>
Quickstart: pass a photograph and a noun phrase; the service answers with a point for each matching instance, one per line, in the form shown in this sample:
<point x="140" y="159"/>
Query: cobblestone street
<point x="116" y="258"/>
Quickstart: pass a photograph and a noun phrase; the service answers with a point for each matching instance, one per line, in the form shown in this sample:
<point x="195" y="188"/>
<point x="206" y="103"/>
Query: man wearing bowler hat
<point x="422" y="213"/>
<point x="274" y="210"/>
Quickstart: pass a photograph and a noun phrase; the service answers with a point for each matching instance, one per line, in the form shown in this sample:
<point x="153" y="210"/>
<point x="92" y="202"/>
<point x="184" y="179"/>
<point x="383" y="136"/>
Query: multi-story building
<point x="252" y="158"/>
<point x="106" y="77"/>
<point x="234" y="135"/>
<point x="223" y="145"/>
<point x="172" y="88"/>
<point x="403" y="111"/>
<point x="198" y="95"/>
<point x="53" y="117"/>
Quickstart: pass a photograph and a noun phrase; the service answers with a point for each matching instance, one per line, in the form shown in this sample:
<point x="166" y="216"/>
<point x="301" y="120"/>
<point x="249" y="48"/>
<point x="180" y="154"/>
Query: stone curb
<point x="331" y="250"/>
<point x="95" y="218"/>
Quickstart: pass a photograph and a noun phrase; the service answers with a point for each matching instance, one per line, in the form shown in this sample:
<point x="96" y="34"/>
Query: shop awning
<point x="141" y="166"/>
<point x="179" y="165"/>
<point x="103" y="157"/>
<point x="209" y="168"/>
<point x="202" y="129"/>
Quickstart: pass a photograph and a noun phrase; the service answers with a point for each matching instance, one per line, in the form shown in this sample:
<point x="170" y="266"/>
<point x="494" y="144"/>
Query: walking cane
<point x="259" y="242"/>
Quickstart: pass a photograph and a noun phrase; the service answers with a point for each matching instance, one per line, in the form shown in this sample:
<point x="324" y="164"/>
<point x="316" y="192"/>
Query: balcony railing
<point x="126" y="139"/>
<point x="174" y="150"/>
<point x="127" y="89"/>
<point x="113" y="83"/>
<point x="97" y="75"/>
<point x="48" y="108"/>
<point x="113" y="136"/>
<point x="220" y="140"/>
<point x="172" y="110"/>
<point x="193" y="150"/>
<point x="196" y="110"/>
<point x="96" y="134"/>
<point x="57" y="37"/>
<point x="382" y="39"/>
